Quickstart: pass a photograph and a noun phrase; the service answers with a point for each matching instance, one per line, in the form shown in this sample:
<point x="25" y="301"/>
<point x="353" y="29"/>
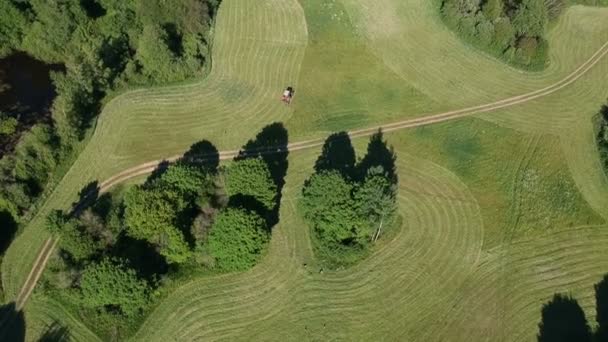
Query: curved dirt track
<point x="148" y="167"/>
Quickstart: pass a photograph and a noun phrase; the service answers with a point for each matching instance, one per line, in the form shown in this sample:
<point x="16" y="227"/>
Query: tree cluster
<point x="190" y="216"/>
<point x="105" y="46"/>
<point x="349" y="204"/>
<point x="116" y="252"/>
<point x="511" y="29"/>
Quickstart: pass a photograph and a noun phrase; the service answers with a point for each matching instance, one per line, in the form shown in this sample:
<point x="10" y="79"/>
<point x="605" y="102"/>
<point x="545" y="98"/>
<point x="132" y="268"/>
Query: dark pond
<point x="26" y="92"/>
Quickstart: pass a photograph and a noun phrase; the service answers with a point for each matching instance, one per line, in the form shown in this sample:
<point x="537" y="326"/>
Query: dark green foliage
<point x="12" y="25"/>
<point x="237" y="239"/>
<point x="514" y="30"/>
<point x="349" y="205"/>
<point x="35" y="158"/>
<point x="161" y="211"/>
<point x="511" y="29"/>
<point x="73" y="238"/>
<point x="328" y="202"/>
<point x="251" y="177"/>
<point x="105" y="46"/>
<point x="110" y="283"/>
<point x="602" y="136"/>
<point x="8" y="125"/>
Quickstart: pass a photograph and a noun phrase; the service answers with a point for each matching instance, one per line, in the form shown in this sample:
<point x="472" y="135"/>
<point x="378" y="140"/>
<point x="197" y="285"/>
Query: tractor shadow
<point x="270" y="145"/>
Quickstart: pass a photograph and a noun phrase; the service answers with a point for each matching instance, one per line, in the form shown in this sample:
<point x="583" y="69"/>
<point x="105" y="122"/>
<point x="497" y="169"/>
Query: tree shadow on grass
<point x="601" y="308"/>
<point x="12" y="324"/>
<point x="160" y="169"/>
<point x="563" y="320"/>
<point x="337" y="154"/>
<point x="55" y="332"/>
<point x="86" y="197"/>
<point x="271" y="145"/>
<point x="203" y="154"/>
<point x="379" y="154"/>
<point x="9" y="229"/>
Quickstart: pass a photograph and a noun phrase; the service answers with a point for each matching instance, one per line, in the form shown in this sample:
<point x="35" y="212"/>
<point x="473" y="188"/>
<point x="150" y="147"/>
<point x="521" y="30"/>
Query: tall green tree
<point x="237" y="239"/>
<point x="13" y="25"/>
<point x="328" y="203"/>
<point x="531" y="18"/>
<point x="251" y="177"/>
<point x="112" y="283"/>
<point x="73" y="239"/>
<point x="376" y="200"/>
<point x="151" y="215"/>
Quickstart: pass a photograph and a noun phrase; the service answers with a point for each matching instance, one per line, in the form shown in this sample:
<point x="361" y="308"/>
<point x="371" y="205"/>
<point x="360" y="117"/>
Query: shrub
<point x="237" y="239"/>
<point x="112" y="283"/>
<point x="251" y="177"/>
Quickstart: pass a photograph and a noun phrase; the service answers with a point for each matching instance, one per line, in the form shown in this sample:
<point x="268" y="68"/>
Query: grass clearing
<point x="483" y="243"/>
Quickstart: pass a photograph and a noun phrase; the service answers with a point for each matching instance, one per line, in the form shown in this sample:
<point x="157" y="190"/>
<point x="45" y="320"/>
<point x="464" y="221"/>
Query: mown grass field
<point x="500" y="211"/>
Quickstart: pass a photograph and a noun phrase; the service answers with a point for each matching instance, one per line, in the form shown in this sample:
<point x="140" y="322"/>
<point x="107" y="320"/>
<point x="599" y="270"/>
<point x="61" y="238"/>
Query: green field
<point x="500" y="210"/>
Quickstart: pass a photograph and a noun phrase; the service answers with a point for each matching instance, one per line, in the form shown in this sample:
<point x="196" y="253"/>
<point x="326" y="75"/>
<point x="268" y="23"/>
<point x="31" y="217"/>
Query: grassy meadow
<point x="499" y="211"/>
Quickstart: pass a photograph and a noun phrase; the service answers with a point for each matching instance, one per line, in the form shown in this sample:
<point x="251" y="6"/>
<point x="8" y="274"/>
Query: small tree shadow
<point x="204" y="154"/>
<point x="55" y="332"/>
<point x="271" y="145"/>
<point x="563" y="320"/>
<point x="12" y="323"/>
<point x="86" y="197"/>
<point x="337" y="154"/>
<point x="379" y="154"/>
<point x="601" y="309"/>
<point x="161" y="168"/>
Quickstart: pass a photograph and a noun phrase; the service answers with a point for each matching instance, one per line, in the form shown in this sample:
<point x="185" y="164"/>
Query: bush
<point x="251" y="177"/>
<point x="237" y="239"/>
<point x="8" y="125"/>
<point x="110" y="283"/>
<point x="73" y="240"/>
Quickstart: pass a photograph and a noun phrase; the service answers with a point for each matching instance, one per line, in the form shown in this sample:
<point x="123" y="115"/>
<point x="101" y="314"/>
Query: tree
<point x="531" y="18"/>
<point x="237" y="239"/>
<point x="12" y="26"/>
<point x="251" y="177"/>
<point x="151" y="215"/>
<point x="74" y="240"/>
<point x="112" y="283"/>
<point x="328" y="204"/>
<point x="375" y="200"/>
<point x="8" y="124"/>
<point x="34" y="157"/>
<point x="492" y="9"/>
